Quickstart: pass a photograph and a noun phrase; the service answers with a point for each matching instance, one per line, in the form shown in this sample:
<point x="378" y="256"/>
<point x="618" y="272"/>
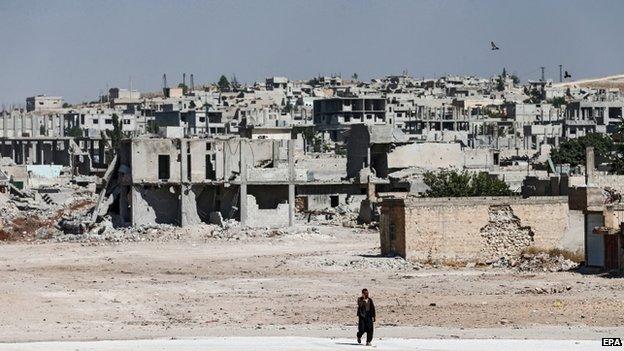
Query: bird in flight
<point x="567" y="75"/>
<point x="494" y="47"/>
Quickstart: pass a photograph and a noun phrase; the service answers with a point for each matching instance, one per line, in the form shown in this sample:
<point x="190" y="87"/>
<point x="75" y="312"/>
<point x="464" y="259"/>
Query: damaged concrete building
<point x="186" y="181"/>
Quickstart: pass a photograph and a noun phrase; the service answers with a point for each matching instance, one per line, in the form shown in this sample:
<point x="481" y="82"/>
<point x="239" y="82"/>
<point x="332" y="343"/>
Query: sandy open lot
<point x="297" y="284"/>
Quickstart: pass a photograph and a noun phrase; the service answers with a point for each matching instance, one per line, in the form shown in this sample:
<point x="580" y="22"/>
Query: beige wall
<point x="427" y="155"/>
<point x="453" y="228"/>
<point x="613" y="181"/>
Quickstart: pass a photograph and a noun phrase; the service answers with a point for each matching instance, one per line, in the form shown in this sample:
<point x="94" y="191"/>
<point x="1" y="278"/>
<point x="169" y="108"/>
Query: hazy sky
<point x="77" y="48"/>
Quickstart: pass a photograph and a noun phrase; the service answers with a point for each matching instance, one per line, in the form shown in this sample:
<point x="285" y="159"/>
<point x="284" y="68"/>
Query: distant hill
<point x="609" y="82"/>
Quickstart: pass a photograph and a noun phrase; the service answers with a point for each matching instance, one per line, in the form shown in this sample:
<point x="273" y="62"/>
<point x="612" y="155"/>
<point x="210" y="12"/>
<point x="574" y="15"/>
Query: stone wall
<point x="478" y="228"/>
<point x="608" y="180"/>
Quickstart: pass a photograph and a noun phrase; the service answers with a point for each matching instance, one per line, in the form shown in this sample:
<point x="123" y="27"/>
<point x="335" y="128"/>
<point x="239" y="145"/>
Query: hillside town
<point x="492" y="181"/>
<point x="272" y="154"/>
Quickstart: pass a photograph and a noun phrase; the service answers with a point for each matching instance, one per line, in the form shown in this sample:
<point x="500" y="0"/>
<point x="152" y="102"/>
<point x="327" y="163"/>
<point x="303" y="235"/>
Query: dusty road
<point x="297" y="285"/>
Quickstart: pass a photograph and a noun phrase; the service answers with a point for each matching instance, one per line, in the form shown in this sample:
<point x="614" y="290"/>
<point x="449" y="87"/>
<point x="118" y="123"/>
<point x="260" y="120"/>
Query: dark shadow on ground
<point x="348" y="343"/>
<point x="599" y="272"/>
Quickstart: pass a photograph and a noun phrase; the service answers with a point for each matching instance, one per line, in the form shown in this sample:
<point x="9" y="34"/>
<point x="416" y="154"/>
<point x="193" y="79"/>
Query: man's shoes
<point x="368" y="344"/>
<point x="359" y="339"/>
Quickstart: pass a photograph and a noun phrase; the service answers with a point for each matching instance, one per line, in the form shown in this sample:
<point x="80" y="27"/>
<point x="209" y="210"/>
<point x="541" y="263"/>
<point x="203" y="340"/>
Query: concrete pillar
<point x="66" y="146"/>
<point x="589" y="165"/>
<point x="62" y="126"/>
<point x="34" y="125"/>
<point x="5" y="121"/>
<point x="184" y="182"/>
<point x="123" y="204"/>
<point x="14" y="117"/>
<point x="291" y="182"/>
<point x="53" y="157"/>
<point x="32" y="154"/>
<point x="23" y="148"/>
<point x="101" y="152"/>
<point x="52" y="132"/>
<point x="92" y="149"/>
<point x="41" y="154"/>
<point x="243" y="189"/>
<point x="370" y="190"/>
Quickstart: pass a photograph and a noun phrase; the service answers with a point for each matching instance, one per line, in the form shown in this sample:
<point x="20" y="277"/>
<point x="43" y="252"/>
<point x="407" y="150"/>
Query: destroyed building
<point x="191" y="180"/>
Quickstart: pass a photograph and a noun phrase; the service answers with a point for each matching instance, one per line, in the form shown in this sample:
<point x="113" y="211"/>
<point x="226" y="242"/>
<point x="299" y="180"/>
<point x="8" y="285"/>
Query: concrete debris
<point x="216" y="218"/>
<point x="33" y="216"/>
<point x="233" y="231"/>
<point x="611" y="195"/>
<point x="504" y="235"/>
<point x="336" y="216"/>
<point x="538" y="262"/>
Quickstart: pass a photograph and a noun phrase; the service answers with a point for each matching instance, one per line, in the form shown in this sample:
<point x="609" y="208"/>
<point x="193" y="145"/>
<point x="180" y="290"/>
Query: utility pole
<point x="560" y="73"/>
<point x="542" y="68"/>
<point x="192" y="82"/>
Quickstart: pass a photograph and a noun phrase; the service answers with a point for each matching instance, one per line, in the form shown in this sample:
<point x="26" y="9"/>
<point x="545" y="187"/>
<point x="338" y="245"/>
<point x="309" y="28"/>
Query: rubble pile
<point x="348" y="261"/>
<point x="76" y="231"/>
<point x="536" y="262"/>
<point x="232" y="230"/>
<point x="105" y="232"/>
<point x="372" y="262"/>
<point x="37" y="214"/>
<point x="335" y="216"/>
<point x="504" y="235"/>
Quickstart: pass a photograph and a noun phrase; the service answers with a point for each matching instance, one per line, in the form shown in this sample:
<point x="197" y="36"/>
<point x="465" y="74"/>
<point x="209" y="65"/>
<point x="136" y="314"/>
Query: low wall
<point x="478" y="228"/>
<point x="271" y="218"/>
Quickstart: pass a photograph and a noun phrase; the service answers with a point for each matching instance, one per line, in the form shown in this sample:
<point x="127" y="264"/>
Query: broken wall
<point x="358" y="144"/>
<point x="483" y="228"/>
<point x="145" y="154"/>
<point x="151" y="205"/>
<point x="271" y="218"/>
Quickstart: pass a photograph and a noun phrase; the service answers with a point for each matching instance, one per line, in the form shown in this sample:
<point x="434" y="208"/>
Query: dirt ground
<point x="295" y="284"/>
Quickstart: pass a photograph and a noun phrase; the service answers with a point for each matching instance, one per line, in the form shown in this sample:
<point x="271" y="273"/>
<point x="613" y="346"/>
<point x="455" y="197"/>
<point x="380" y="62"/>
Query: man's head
<point x="365" y="293"/>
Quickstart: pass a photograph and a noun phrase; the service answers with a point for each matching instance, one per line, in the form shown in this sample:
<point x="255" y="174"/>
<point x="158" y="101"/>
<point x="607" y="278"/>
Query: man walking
<point x="366" y="317"/>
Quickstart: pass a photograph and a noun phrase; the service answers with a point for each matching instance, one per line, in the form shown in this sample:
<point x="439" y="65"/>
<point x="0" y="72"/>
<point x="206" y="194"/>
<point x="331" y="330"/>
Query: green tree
<point x="515" y="79"/>
<point x="355" y="76"/>
<point x="618" y="159"/>
<point x="234" y="84"/>
<point x="116" y="134"/>
<point x="572" y="151"/>
<point x="74" y="132"/>
<point x="558" y="101"/>
<point x="310" y="136"/>
<point x="151" y="127"/>
<point x="464" y="184"/>
<point x="288" y="108"/>
<point x="224" y="83"/>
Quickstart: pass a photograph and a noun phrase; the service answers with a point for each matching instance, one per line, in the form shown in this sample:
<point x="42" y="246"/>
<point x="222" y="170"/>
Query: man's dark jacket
<point x="361" y="312"/>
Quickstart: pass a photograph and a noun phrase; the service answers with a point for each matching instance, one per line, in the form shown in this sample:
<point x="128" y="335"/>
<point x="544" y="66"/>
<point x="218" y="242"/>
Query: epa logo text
<point x="611" y="342"/>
